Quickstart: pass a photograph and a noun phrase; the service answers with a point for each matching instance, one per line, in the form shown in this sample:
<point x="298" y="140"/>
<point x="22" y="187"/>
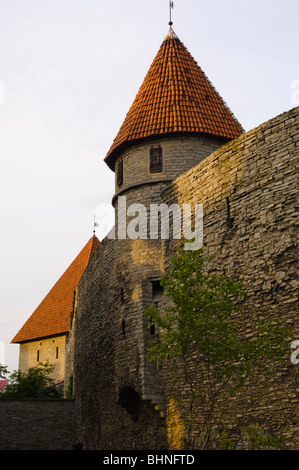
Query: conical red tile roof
<point x="175" y="97"/>
<point x="52" y="316"/>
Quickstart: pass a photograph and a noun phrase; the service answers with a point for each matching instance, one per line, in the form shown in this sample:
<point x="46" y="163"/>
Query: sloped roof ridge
<point x="171" y="35"/>
<point x="93" y="246"/>
<point x="51" y="317"/>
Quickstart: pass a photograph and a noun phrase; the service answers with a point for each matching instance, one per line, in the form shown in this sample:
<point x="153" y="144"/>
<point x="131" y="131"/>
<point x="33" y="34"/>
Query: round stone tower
<point x="176" y="120"/>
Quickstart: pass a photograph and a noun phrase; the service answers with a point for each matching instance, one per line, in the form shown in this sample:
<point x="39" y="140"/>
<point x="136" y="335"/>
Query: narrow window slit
<point x="120" y="173"/>
<point x="229" y="219"/>
<point x="123" y="329"/>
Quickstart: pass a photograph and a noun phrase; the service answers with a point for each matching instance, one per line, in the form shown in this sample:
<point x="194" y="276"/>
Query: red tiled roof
<point x="3" y="384"/>
<point x="175" y="97"/>
<point x="52" y="316"/>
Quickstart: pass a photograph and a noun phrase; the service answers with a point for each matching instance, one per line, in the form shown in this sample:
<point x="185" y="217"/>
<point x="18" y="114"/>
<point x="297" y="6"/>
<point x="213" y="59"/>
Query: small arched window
<point x="120" y="173"/>
<point x="156" y="161"/>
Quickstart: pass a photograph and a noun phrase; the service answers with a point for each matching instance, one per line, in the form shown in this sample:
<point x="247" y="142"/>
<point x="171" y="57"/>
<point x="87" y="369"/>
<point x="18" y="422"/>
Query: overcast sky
<point x="69" y="71"/>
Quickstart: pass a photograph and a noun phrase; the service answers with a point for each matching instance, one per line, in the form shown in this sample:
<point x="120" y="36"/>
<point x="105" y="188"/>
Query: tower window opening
<point x="156" y="162"/>
<point x="157" y="294"/>
<point x="120" y="173"/>
<point x="130" y="400"/>
<point x="122" y="295"/>
<point x="57" y="352"/>
<point x="152" y="325"/>
<point x="157" y="291"/>
<point x="230" y="220"/>
<point x="37" y="355"/>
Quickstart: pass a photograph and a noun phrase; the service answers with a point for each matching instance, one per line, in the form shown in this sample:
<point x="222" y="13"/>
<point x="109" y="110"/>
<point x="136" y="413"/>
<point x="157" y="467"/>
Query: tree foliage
<point x="3" y="371"/>
<point x="203" y="320"/>
<point x="34" y="383"/>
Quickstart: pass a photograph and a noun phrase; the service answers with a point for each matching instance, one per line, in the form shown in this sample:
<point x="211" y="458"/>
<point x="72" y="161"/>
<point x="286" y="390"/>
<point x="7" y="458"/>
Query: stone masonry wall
<point x="136" y="263"/>
<point x="49" y="349"/>
<point x="179" y="155"/>
<point x="249" y="191"/>
<point x="110" y="409"/>
<point x="137" y="258"/>
<point x="36" y="424"/>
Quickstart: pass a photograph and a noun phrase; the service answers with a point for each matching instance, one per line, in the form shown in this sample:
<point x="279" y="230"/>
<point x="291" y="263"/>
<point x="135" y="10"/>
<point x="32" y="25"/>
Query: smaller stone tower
<point x="44" y="336"/>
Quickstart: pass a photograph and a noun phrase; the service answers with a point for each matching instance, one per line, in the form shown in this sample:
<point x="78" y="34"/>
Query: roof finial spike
<point x="171" y="6"/>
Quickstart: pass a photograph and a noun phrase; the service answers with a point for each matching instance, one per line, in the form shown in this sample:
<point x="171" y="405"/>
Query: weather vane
<point x="171" y="7"/>
<point x="95" y="225"/>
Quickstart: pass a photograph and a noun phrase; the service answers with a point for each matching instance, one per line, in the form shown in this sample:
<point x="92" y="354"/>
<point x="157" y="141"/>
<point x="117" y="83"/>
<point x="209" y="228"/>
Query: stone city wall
<point x="249" y="192"/>
<point x="110" y="409"/>
<point x="29" y="424"/>
<point x="248" y="189"/>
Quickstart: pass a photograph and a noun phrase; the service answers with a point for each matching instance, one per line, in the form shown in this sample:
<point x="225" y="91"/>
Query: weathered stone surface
<point x="49" y="349"/>
<point x="109" y="361"/>
<point x="260" y="247"/>
<point x="179" y="155"/>
<point x="249" y="190"/>
<point x="36" y="424"/>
